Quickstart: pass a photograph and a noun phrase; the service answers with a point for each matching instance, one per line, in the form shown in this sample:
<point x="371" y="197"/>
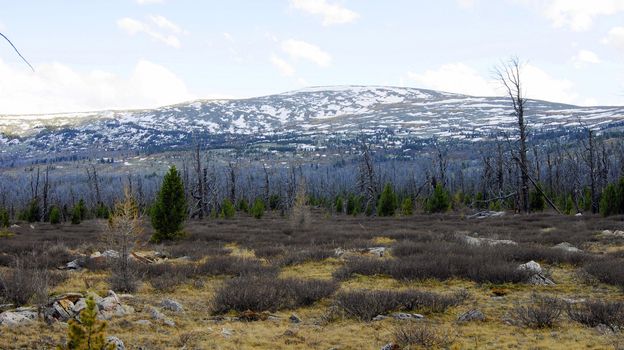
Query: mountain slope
<point x="316" y="113"/>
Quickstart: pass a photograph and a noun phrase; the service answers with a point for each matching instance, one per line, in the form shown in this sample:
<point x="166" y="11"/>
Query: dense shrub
<point x="536" y="201"/>
<point x="407" y="207"/>
<point x="422" y="335"/>
<point x="610" y="271"/>
<point x="169" y="210"/>
<point x="165" y="277"/>
<point x="269" y="252"/>
<point x="26" y="281"/>
<point x="234" y="266"/>
<point x="470" y="265"/>
<point x="596" y="312"/>
<point x="76" y="216"/>
<point x="540" y="312"/>
<point x="609" y="201"/>
<point x="269" y="294"/>
<point x="32" y="213"/>
<point x="339" y="205"/>
<point x="365" y="304"/>
<point x="302" y="256"/>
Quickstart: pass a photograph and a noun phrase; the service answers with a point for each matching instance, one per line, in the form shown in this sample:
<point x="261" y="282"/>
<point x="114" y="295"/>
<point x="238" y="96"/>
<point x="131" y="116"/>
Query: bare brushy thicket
<point x="300" y="215"/>
<point x="423" y="335"/>
<point x="593" y="313"/>
<point x="28" y="281"/>
<point x="124" y="227"/>
<point x="540" y="312"/>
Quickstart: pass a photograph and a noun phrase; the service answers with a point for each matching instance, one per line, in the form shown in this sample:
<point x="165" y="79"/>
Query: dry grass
<point x="248" y="246"/>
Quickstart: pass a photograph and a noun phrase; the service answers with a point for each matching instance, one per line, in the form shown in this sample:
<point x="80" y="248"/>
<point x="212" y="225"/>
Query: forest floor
<point x="344" y="259"/>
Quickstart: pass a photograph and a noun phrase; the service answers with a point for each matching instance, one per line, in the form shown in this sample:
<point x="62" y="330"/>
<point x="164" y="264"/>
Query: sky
<point x="118" y="54"/>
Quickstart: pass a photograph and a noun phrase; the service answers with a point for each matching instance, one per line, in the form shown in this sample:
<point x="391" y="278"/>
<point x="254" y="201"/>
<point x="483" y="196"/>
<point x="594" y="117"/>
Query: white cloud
<point x="454" y="77"/>
<point x="147" y="2"/>
<point x="55" y="87"/>
<point x="167" y="36"/>
<point x="298" y="49"/>
<point x="461" y="78"/>
<point x="331" y="13"/>
<point x="466" y="3"/>
<point x="285" y="68"/>
<point x="577" y="15"/>
<point x="584" y="57"/>
<point x="615" y="37"/>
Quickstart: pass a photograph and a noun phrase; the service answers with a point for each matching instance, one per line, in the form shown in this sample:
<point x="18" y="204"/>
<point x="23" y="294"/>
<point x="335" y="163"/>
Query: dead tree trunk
<point x="509" y="75"/>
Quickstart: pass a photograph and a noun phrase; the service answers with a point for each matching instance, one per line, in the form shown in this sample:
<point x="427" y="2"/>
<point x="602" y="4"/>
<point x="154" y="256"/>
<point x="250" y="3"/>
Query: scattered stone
<point x="405" y="316"/>
<point x="471" y="315"/>
<point x="578" y="214"/>
<point x="114" y="343"/>
<point x="339" y="252"/>
<point x="111" y="254"/>
<point x="379" y="251"/>
<point x="294" y="319"/>
<point x="567" y="247"/>
<point x="539" y="279"/>
<point x="63" y="310"/>
<point x="5" y="307"/>
<point x="15" y="226"/>
<point x="32" y="227"/>
<point x="145" y="323"/>
<point x="172" y="305"/>
<point x="226" y="332"/>
<point x="157" y="315"/>
<point x="477" y="242"/>
<point x="390" y="346"/>
<point x="380" y="318"/>
<point x="72" y="265"/>
<point x="169" y="322"/>
<point x="531" y="266"/>
<point x="486" y="214"/>
<point x="612" y="234"/>
<point x="17" y="318"/>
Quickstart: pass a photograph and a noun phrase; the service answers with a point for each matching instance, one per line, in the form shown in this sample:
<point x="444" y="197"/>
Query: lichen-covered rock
<point x="17" y="318"/>
<point x="567" y="247"/>
<point x="115" y="342"/>
<point x="172" y="305"/>
<point x="471" y="315"/>
<point x="531" y="266"/>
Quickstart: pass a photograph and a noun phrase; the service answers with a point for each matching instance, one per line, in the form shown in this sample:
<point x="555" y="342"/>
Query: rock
<point x="612" y="234"/>
<point x="380" y="317"/>
<point x="111" y="254"/>
<point x="405" y="316"/>
<point x="226" y="332"/>
<point x="471" y="315"/>
<point x="172" y="305"/>
<point x="486" y="214"/>
<point x="32" y="227"/>
<point x="567" y="247"/>
<point x="169" y="322"/>
<point x="73" y="265"/>
<point x="531" y="266"/>
<point x="63" y="310"/>
<point x="157" y="315"/>
<point x="114" y="343"/>
<point x="73" y="297"/>
<point x="390" y="346"/>
<point x="294" y="319"/>
<point x="339" y="252"/>
<point x="539" y="279"/>
<point x="379" y="251"/>
<point x="17" y="318"/>
<point x="15" y="226"/>
<point x="145" y="323"/>
<point x="578" y="214"/>
<point x="477" y="242"/>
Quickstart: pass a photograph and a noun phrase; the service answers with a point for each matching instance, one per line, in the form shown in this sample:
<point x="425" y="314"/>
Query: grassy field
<point x="325" y="273"/>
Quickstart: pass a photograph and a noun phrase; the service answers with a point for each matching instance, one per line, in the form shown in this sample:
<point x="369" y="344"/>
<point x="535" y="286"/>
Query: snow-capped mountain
<point x="309" y="114"/>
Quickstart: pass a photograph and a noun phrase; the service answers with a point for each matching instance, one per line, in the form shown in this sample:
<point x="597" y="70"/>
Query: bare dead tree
<point x="589" y="156"/>
<point x="509" y="74"/>
<point x="199" y="192"/>
<point x="232" y="167"/>
<point x="45" y="191"/>
<point x="367" y="181"/>
<point x="17" y="51"/>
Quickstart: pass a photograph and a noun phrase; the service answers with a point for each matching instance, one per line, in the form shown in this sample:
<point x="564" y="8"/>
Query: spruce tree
<point x="169" y="210"/>
<point x="227" y="209"/>
<point x="88" y="334"/>
<point x="4" y="218"/>
<point x="609" y="201"/>
<point x="257" y="210"/>
<point x="407" y="208"/>
<point x="439" y="200"/>
<point x="75" y="216"/>
<point x="55" y="215"/>
<point x="387" y="202"/>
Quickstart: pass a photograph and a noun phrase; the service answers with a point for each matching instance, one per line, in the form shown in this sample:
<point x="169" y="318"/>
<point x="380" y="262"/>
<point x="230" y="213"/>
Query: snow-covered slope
<point x="346" y="111"/>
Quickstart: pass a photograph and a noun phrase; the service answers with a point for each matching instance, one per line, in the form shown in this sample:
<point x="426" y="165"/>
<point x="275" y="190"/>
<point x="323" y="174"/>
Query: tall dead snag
<point x="46" y="190"/>
<point x="232" y="176"/>
<point x="199" y="192"/>
<point x="508" y="73"/>
<point x="300" y="214"/>
<point x="589" y="156"/>
<point x="366" y="179"/>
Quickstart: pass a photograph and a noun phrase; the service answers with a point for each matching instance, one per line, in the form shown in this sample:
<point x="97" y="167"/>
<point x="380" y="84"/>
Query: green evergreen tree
<point x="55" y="215"/>
<point x="609" y="201"/>
<point x="75" y="216"/>
<point x="32" y="212"/>
<point x="82" y="209"/>
<point x="407" y="207"/>
<point x="439" y="201"/>
<point x="620" y="195"/>
<point x="88" y="334"/>
<point x="257" y="209"/>
<point x="353" y="205"/>
<point x="243" y="205"/>
<point x="569" y="205"/>
<point x="227" y="209"/>
<point x="102" y="212"/>
<point x="274" y="201"/>
<point x="536" y="201"/>
<point x="339" y="204"/>
<point x="387" y="202"/>
<point x="169" y="211"/>
<point x="4" y="218"/>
